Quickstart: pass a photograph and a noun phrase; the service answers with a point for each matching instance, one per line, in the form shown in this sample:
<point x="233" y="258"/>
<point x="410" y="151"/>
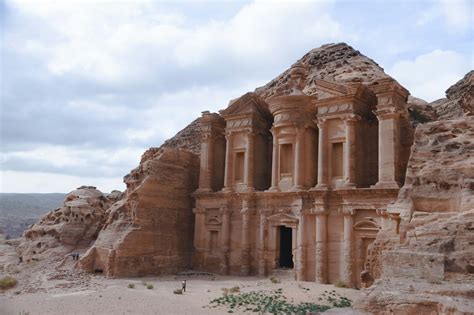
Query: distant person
<point x="183" y="286"/>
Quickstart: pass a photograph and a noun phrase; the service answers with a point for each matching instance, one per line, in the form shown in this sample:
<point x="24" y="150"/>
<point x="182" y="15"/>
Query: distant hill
<point x="18" y="211"/>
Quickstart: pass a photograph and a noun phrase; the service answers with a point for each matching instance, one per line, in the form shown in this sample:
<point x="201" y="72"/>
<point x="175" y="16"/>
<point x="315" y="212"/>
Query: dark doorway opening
<point x="286" y="255"/>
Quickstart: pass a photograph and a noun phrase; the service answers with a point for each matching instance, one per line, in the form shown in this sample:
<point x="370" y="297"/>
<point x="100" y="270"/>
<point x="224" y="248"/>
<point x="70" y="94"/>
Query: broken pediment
<point x="246" y="105"/>
<point x="283" y="219"/>
<point x="367" y="224"/>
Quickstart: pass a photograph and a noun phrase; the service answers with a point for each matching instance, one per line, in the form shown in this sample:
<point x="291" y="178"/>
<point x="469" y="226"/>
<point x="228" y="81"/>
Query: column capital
<point x="351" y="118"/>
<point x="321" y="121"/>
<point x="346" y="210"/>
<point x="382" y="212"/>
<point x="250" y="133"/>
<point x="199" y="210"/>
<point x="225" y="210"/>
<point x="319" y="211"/>
<point x="388" y="113"/>
<point x="206" y="136"/>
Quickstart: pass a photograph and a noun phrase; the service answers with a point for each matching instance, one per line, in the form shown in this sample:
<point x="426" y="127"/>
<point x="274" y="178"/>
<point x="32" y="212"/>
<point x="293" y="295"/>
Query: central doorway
<point x="286" y="242"/>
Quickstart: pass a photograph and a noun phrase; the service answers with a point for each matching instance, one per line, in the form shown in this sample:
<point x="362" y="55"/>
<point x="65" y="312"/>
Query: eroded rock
<point x="73" y="225"/>
<point x="150" y="231"/>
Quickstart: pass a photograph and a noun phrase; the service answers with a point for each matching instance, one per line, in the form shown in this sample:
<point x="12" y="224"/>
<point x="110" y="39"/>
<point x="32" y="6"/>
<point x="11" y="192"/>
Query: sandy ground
<point x="55" y="286"/>
<point x="112" y="296"/>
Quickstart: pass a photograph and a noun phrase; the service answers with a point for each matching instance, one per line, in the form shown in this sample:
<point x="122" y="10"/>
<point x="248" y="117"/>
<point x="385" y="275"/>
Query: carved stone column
<point x="322" y="154"/>
<point x="348" y="259"/>
<point x="225" y="240"/>
<point x="301" y="249"/>
<point x="229" y="163"/>
<point x="249" y="167"/>
<point x="299" y="160"/>
<point x="205" y="172"/>
<point x="388" y="148"/>
<point x="350" y="152"/>
<point x="275" y="162"/>
<point x="321" y="243"/>
<point x="245" y="243"/>
<point x="261" y="240"/>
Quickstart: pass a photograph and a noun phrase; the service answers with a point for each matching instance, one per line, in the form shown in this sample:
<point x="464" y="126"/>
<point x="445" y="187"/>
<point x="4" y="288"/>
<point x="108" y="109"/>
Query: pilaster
<point x="321" y="212"/>
<point x="229" y="163"/>
<point x="275" y="161"/>
<point x="348" y="256"/>
<point x="249" y="167"/>
<point x="301" y="248"/>
<point x="350" y="154"/>
<point x="225" y="240"/>
<point x="322" y="154"/>
<point x="245" y="243"/>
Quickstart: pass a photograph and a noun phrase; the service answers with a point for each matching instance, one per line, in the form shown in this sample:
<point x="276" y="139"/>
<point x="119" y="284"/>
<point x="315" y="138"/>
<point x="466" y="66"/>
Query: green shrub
<point x="274" y="280"/>
<point x="340" y="284"/>
<point x="149" y="286"/>
<point x="7" y="282"/>
<point x="131" y="286"/>
<point x="178" y="291"/>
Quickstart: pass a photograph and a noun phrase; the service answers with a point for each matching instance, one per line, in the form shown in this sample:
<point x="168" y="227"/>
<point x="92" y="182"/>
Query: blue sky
<point x="87" y="86"/>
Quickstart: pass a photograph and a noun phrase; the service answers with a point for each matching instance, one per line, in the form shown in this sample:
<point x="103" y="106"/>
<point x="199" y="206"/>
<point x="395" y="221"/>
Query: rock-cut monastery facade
<point x="300" y="182"/>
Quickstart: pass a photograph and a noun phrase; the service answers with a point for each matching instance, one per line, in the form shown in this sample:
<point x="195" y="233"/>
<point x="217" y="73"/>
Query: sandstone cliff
<point x="74" y="225"/>
<point x="459" y="99"/>
<point x="150" y="231"/>
<point x="425" y="262"/>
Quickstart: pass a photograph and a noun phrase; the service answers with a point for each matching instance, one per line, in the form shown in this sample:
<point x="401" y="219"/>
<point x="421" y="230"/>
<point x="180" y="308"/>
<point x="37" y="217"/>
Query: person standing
<point x="183" y="286"/>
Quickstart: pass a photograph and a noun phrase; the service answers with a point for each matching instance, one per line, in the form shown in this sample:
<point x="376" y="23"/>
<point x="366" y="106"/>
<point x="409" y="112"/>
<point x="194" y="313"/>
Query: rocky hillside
<point x="332" y="62"/>
<point x="73" y="225"/>
<point x="18" y="211"/>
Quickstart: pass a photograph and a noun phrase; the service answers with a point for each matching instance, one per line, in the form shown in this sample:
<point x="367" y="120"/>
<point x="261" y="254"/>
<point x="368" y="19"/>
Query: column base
<point x="320" y="187"/>
<point x="348" y="185"/>
<point x="386" y="185"/>
<point x="248" y="189"/>
<point x="297" y="188"/>
<point x="226" y="190"/>
<point x="273" y="189"/>
<point x="203" y="190"/>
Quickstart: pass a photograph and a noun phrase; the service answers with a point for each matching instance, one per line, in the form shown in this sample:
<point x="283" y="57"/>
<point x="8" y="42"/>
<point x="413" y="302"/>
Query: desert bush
<point x="149" y="286"/>
<point x="131" y="286"/>
<point x="178" y="291"/>
<point x="340" y="284"/>
<point x="231" y="290"/>
<point x="7" y="282"/>
<point x="275" y="280"/>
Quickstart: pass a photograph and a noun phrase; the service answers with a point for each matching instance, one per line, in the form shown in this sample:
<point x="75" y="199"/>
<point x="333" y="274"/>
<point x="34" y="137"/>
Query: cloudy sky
<point x="87" y="86"/>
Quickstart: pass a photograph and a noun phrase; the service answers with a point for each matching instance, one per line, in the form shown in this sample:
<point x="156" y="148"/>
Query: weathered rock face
<point x="188" y="138"/>
<point x="440" y="173"/>
<point x="332" y="62"/>
<point x="433" y="242"/>
<point x="150" y="231"/>
<point x="74" y="225"/>
<point x="459" y="99"/>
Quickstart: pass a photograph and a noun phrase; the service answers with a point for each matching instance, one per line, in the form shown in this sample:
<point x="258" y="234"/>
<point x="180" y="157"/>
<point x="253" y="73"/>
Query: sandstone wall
<point x="150" y="232"/>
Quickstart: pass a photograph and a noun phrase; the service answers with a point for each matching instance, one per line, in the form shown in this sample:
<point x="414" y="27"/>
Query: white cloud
<point x="26" y="182"/>
<point x="457" y="14"/>
<point x="121" y="41"/>
<point x="427" y="76"/>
